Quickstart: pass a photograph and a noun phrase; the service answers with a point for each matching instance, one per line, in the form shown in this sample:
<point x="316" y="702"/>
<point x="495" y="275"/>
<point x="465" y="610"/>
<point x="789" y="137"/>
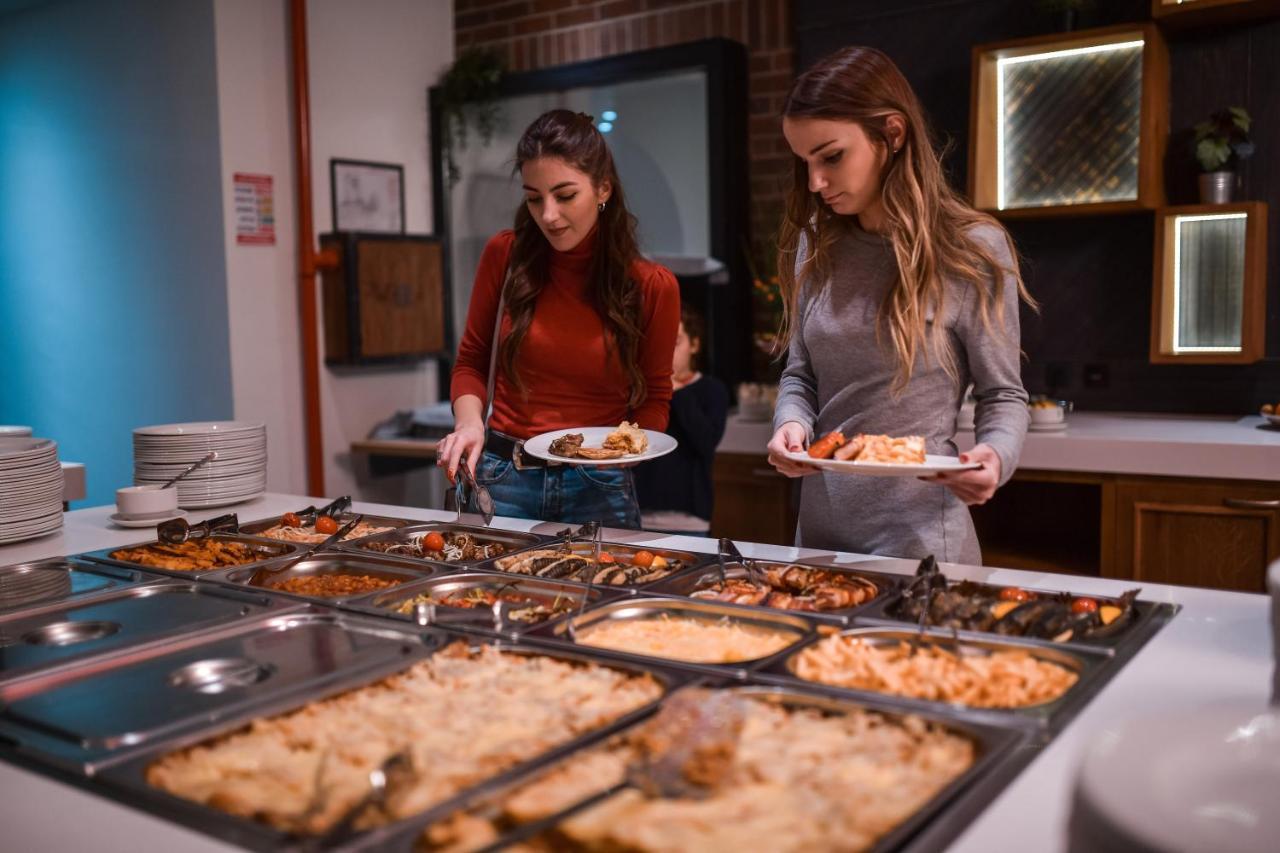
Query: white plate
<point x="933" y="464"/>
<point x="125" y="521"/>
<point x="1047" y="427"/>
<point x="206" y="503"/>
<point x="200" y="428"/>
<point x="660" y="444"/>
<point x="1201" y="779"/>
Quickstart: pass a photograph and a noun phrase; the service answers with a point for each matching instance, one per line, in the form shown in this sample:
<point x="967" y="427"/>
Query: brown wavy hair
<point x="573" y="138"/>
<point x="928" y="224"/>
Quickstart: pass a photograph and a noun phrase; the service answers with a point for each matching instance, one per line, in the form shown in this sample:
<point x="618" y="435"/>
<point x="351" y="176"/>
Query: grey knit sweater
<point x="839" y="375"/>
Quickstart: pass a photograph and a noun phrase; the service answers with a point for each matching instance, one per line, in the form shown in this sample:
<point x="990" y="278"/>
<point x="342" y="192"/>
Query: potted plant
<point x="1221" y="143"/>
<point x="467" y="93"/>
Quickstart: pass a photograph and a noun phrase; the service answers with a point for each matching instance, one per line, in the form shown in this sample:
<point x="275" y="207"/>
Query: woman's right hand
<point x="464" y="443"/>
<point x="789" y="438"/>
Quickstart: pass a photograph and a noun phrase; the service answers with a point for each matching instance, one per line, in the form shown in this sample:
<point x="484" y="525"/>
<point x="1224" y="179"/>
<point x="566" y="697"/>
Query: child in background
<point x="675" y="490"/>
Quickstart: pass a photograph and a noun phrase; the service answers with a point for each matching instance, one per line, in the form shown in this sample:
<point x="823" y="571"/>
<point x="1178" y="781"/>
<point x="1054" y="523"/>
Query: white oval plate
<point x="1194" y="779"/>
<point x="200" y="428"/>
<point x="660" y="444"/>
<point x="933" y="464"/>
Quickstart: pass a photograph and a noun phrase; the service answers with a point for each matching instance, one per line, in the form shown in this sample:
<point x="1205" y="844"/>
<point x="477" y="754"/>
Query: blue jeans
<point x="566" y="493"/>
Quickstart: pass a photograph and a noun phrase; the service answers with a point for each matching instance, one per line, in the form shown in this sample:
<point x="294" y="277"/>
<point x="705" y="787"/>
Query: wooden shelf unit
<point x="1253" y="297"/>
<point x="1211" y="13"/>
<point x="987" y="117"/>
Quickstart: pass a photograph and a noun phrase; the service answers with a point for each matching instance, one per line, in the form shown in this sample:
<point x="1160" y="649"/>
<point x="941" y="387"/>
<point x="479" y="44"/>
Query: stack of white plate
<point x="30" y="488"/>
<point x="160" y="453"/>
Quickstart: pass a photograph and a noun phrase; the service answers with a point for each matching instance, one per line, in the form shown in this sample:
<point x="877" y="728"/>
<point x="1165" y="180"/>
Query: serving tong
<point x="311" y="515"/>
<point x="729" y="551"/>
<point x="931" y="576"/>
<point x="692" y="718"/>
<point x="394" y="770"/>
<point x="175" y="531"/>
<point x="484" y="500"/>
<point x="589" y="532"/>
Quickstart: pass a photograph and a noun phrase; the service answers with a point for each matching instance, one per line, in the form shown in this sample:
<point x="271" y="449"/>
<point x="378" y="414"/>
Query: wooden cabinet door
<point x="753" y="502"/>
<point x="1212" y="533"/>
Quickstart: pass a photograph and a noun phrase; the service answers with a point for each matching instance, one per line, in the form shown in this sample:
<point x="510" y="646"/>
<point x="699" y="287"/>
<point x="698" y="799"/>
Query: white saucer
<point x="1055" y="427"/>
<point x="152" y="521"/>
<point x="660" y="444"/>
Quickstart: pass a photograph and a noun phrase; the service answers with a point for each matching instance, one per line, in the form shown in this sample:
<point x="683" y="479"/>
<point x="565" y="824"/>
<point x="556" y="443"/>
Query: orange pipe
<point x="307" y="256"/>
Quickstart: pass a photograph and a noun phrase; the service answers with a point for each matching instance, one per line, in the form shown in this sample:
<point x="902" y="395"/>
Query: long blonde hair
<point x="928" y="224"/>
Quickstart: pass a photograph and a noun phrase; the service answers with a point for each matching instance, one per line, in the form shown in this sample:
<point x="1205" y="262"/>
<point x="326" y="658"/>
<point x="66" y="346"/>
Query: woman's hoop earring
<point x="600" y="207"/>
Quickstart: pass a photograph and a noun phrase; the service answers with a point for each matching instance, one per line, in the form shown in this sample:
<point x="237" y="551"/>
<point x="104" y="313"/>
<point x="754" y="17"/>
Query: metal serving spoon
<point x="199" y="463"/>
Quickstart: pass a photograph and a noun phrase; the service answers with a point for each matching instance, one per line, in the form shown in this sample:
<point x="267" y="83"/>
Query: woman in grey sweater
<point x="898" y="295"/>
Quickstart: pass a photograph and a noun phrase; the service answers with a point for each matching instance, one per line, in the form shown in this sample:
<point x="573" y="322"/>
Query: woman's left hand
<point x="976" y="486"/>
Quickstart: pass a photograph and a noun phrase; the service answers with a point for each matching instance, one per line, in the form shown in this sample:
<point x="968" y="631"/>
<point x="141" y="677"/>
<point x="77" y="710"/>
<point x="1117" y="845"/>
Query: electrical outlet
<point x="1096" y="376"/>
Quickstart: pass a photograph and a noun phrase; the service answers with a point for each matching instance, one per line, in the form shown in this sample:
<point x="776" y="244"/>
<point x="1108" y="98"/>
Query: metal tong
<point x="932" y="578"/>
<point x="392" y="772"/>
<point x="429" y="613"/>
<point x="335" y="508"/>
<point x="175" y="531"/>
<point x="484" y="500"/>
<point x="728" y="550"/>
<point x="592" y="531"/>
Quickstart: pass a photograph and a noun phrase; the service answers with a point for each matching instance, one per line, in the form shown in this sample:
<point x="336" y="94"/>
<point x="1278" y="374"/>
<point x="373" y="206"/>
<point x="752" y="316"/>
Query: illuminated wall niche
<point x="1069" y="123"/>
<point x="1209" y="298"/>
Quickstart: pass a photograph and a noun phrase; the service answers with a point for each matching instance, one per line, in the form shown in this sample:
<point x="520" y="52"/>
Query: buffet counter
<point x="1227" y="447"/>
<point x="1217" y="648"/>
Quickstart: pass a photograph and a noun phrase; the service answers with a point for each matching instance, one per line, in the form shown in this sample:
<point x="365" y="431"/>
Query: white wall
<point x="371" y="64"/>
<point x="255" y="121"/>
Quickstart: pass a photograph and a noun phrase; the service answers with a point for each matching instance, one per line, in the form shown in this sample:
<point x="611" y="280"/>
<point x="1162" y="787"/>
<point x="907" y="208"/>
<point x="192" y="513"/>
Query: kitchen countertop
<point x="1223" y="447"/>
<point x="1217" y="649"/>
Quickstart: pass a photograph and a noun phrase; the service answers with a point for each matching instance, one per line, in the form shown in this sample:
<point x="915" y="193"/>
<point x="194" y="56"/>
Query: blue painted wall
<point x="113" y="304"/>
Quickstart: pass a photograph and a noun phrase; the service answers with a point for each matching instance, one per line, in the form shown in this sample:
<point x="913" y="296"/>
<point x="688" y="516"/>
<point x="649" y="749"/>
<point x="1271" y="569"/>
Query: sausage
<point x="825" y="446"/>
<point x="850" y="450"/>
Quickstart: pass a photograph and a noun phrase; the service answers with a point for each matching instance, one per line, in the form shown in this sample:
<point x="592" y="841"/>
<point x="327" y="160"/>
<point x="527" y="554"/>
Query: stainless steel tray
<point x="513" y="540"/>
<point x="1087" y="666"/>
<point x="55" y="581"/>
<point x="199" y="685"/>
<point x="260" y="527"/>
<point x="995" y="745"/>
<point x="622" y="554"/>
<point x="483" y="619"/>
<point x="687" y="583"/>
<point x="1143" y="612"/>
<point x="268" y="577"/>
<point x="266" y="550"/>
<point x="571" y="631"/>
<point x="126" y="779"/>
<point x="53" y="642"/>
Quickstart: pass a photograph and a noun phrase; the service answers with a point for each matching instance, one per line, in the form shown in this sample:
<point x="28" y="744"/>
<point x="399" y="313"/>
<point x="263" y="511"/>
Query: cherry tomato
<point x="643" y="559"/>
<point x="289" y="519"/>
<point x="1013" y="593"/>
<point x="326" y="524"/>
<point x="606" y="557"/>
<point x="433" y="542"/>
<point x="1084" y="605"/>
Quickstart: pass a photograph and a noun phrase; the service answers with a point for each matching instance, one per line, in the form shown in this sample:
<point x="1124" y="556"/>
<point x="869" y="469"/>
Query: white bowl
<point x="136" y="501"/>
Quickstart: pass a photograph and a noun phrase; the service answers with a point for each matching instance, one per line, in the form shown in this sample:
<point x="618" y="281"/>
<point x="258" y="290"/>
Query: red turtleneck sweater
<point x="569" y="380"/>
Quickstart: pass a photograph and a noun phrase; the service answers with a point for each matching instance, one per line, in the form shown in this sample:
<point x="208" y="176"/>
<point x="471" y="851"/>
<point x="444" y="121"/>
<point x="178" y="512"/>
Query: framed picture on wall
<point x="367" y="196"/>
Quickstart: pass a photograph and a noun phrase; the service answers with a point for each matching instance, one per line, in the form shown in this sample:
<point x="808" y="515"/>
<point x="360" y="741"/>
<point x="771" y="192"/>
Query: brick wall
<point x="539" y="33"/>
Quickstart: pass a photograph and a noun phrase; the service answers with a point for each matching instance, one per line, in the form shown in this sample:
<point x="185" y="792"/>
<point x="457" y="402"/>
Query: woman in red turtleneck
<point x="585" y="339"/>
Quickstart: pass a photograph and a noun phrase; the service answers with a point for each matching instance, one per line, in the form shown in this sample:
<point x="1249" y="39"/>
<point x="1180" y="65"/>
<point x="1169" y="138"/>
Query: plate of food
<point x="1271" y="414"/>
<point x="600" y="445"/>
<point x="877" y="456"/>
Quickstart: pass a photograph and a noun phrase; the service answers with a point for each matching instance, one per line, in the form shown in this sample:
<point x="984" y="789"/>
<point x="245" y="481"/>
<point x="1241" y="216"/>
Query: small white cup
<point x="145" y="501"/>
<point x="1048" y="412"/>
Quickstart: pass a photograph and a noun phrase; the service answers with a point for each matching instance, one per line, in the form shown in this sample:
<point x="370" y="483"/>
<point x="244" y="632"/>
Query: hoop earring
<point x="600" y="207"/>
